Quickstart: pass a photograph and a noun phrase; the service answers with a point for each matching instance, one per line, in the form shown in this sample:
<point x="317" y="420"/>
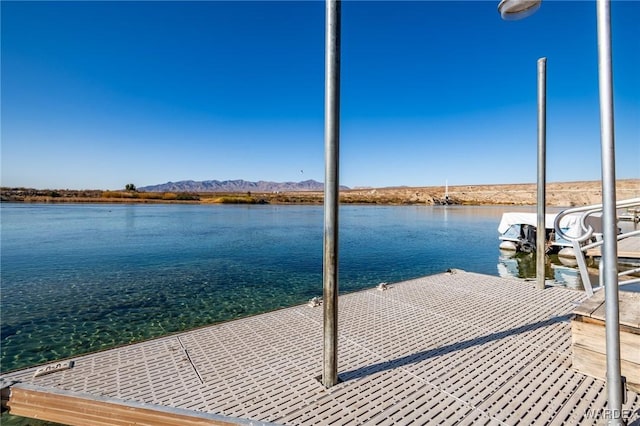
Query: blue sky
<point x="101" y="94"/>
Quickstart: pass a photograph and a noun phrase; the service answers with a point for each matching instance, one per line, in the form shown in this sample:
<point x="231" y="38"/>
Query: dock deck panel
<point x="454" y="348"/>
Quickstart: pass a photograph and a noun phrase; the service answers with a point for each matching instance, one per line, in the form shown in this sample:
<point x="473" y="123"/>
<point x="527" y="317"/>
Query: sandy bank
<point x="560" y="194"/>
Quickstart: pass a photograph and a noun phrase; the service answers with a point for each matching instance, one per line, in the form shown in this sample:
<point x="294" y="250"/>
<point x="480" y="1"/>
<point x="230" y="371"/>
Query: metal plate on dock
<point x="53" y="368"/>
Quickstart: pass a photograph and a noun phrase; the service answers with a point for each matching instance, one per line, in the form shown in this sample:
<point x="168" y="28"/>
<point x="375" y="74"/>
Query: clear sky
<point x="96" y="95"/>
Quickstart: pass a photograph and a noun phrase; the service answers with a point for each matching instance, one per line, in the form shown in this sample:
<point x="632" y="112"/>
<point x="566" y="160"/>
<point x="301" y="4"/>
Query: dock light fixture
<point x="512" y="10"/>
<point x="518" y="9"/>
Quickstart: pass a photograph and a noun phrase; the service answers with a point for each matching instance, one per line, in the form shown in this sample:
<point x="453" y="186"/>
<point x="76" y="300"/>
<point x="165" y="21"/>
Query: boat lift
<point x="578" y="241"/>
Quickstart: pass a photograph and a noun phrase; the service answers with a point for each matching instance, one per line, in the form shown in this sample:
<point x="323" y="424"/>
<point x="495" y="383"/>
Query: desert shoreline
<point x="558" y="194"/>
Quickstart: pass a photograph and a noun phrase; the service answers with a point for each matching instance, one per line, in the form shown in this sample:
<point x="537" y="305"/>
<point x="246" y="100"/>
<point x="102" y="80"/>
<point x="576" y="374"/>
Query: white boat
<point x="518" y="232"/>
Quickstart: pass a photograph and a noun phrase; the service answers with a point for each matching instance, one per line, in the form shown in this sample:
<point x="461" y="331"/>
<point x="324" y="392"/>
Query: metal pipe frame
<point x="331" y="194"/>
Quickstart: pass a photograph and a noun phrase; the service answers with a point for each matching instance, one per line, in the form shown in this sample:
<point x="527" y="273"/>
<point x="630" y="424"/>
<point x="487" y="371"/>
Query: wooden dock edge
<point x="589" y="350"/>
<point x="78" y="409"/>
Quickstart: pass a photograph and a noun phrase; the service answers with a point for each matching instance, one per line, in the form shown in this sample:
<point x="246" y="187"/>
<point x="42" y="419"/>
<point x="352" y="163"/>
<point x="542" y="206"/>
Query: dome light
<point x="512" y="10"/>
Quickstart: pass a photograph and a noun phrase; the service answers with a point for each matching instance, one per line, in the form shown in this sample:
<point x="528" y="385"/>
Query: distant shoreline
<point x="560" y="194"/>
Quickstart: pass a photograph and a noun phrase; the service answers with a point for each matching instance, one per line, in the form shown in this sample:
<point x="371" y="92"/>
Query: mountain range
<point x="237" y="185"/>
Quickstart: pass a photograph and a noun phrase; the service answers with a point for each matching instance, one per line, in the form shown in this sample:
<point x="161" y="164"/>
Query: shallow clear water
<point x="78" y="278"/>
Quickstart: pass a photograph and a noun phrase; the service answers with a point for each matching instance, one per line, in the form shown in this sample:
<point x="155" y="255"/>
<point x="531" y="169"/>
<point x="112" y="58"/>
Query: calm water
<point x="78" y="278"/>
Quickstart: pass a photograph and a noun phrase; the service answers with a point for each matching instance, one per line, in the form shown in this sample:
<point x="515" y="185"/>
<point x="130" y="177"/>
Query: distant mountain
<point x="235" y="186"/>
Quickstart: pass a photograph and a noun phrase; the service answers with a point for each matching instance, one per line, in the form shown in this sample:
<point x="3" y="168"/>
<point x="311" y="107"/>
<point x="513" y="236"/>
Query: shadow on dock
<point x="424" y="355"/>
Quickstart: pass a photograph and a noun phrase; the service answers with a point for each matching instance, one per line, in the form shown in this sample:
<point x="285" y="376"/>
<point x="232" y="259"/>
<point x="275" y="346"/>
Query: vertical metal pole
<point x="609" y="222"/>
<point x="542" y="172"/>
<point x="331" y="193"/>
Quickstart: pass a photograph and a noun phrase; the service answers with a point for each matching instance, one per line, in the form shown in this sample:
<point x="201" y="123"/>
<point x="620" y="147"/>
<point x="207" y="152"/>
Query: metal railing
<point x="581" y="244"/>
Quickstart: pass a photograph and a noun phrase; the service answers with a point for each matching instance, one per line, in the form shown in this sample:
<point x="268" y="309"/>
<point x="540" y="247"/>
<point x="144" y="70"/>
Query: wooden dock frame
<point x="588" y="336"/>
<point x="74" y="408"/>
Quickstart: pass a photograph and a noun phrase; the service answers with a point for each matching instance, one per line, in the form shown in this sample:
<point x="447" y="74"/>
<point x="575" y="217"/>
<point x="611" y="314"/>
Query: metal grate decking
<point x="454" y="348"/>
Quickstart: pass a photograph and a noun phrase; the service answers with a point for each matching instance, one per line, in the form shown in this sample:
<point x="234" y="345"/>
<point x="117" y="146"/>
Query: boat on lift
<point x="518" y="232"/>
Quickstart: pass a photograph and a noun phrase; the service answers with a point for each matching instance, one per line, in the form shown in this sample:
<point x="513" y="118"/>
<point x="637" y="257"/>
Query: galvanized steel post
<point x="331" y="193"/>
<point x="542" y="172"/>
<point x="609" y="221"/>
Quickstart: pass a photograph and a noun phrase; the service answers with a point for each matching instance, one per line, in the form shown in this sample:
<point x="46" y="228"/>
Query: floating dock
<point x="454" y="348"/>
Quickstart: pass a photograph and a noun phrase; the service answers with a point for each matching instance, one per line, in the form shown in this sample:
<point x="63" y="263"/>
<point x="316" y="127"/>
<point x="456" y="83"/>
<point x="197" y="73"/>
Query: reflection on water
<point x="558" y="273"/>
<point x="569" y="277"/>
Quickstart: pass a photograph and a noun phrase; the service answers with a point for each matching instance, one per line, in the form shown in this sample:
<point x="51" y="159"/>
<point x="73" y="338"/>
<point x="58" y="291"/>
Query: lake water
<point x="77" y="278"/>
